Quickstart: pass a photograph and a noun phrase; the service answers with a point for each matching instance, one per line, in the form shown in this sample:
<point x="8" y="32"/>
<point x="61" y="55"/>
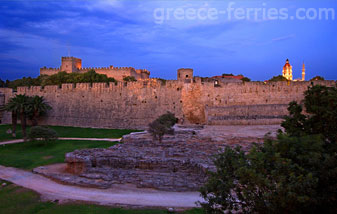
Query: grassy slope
<point x="29" y="155"/>
<point x="65" y="131"/>
<point x="14" y="199"/>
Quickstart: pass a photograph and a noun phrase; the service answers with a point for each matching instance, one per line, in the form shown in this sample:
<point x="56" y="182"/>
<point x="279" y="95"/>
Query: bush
<point x="278" y="78"/>
<point x="245" y="79"/>
<point x="42" y="133"/>
<point x="162" y="125"/>
<point x="129" y="79"/>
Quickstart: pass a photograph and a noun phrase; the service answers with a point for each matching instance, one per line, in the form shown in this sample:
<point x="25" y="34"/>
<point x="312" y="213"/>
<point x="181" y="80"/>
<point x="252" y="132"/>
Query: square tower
<point x="71" y="64"/>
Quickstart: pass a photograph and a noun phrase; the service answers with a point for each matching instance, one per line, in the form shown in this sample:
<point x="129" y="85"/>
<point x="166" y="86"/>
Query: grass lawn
<point x="15" y="199"/>
<point x="29" y="155"/>
<point x="65" y="131"/>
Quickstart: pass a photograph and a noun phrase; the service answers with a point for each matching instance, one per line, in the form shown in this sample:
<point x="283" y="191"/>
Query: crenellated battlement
<point x="244" y="87"/>
<point x="196" y="102"/>
<point x="74" y="65"/>
<point x="49" y="69"/>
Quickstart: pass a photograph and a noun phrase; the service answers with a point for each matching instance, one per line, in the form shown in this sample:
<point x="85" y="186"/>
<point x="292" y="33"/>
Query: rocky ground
<point x="179" y="163"/>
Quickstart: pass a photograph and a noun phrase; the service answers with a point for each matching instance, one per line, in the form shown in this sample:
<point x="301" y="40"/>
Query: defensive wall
<point x="74" y="65"/>
<point x="135" y="104"/>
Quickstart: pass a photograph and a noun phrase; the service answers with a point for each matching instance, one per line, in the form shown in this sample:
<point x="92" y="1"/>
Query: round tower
<point x="185" y="73"/>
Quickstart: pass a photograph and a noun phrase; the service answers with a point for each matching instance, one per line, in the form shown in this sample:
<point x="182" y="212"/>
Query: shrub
<point x="162" y="125"/>
<point x="245" y="79"/>
<point x="129" y="79"/>
<point x="278" y="78"/>
<point x="42" y="133"/>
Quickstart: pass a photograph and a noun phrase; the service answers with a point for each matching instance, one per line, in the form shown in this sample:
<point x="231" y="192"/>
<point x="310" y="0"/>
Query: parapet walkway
<point x="119" y="195"/>
<point x="67" y="138"/>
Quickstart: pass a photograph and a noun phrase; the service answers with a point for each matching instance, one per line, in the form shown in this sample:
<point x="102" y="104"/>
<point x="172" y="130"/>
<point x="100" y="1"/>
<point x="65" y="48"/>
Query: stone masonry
<point x="74" y="65"/>
<point x="179" y="163"/>
<point x="136" y="104"/>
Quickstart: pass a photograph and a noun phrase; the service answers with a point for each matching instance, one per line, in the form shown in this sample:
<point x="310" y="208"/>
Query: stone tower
<point x="303" y="72"/>
<point x="287" y="71"/>
<point x="185" y="74"/>
<point x="71" y="64"/>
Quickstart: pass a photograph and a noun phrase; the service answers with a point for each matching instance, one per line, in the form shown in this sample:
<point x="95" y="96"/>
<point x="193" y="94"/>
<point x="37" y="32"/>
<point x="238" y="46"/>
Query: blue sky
<point x="36" y="33"/>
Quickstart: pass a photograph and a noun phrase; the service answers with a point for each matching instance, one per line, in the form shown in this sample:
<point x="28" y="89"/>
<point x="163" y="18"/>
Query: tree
<point x="37" y="107"/>
<point x="317" y="78"/>
<point x="26" y="106"/>
<point x="227" y="74"/>
<point x="2" y="84"/>
<point x="12" y="107"/>
<point x="295" y="173"/>
<point x="278" y="78"/>
<point x="129" y="79"/>
<point x="60" y="78"/>
<point x="19" y="105"/>
<point x="279" y="176"/>
<point x="22" y="102"/>
<point x="162" y="125"/>
<point x="245" y="79"/>
<point x="321" y="104"/>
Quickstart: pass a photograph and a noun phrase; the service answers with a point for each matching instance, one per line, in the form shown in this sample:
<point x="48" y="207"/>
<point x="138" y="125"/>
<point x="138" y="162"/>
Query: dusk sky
<point x="135" y="33"/>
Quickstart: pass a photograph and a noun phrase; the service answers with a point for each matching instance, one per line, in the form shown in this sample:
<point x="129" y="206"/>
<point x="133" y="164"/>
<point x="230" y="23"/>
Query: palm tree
<point x="38" y="107"/>
<point x="19" y="105"/>
<point x="11" y="106"/>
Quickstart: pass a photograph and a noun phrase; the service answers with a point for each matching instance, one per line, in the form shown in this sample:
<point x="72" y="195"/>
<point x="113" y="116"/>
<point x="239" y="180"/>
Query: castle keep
<point x="74" y="65"/>
<point x="192" y="99"/>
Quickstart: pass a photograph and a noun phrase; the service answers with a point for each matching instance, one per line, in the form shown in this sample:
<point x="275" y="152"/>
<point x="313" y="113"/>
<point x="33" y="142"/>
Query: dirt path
<point x="66" y="138"/>
<point x="119" y="195"/>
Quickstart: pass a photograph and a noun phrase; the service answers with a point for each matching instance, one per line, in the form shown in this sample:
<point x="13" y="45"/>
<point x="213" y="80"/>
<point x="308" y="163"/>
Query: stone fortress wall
<point x="135" y="104"/>
<point x="74" y="65"/>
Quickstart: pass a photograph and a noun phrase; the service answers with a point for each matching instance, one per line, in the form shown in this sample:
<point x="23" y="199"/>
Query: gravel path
<point x="120" y="195"/>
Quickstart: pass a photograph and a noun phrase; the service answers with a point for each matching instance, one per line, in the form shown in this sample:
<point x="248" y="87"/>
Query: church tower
<point x="287" y="71"/>
<point x="303" y="72"/>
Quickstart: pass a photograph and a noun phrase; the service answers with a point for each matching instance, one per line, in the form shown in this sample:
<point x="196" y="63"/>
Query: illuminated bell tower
<point x="303" y="72"/>
<point x="287" y="71"/>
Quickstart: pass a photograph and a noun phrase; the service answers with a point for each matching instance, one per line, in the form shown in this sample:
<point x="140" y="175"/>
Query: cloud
<point x="283" y="38"/>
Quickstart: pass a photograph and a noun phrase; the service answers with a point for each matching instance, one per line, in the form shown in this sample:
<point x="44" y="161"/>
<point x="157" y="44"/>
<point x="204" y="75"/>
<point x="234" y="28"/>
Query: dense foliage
<point x="2" y="83"/>
<point x="42" y="133"/>
<point x="162" y="125"/>
<point x="295" y="173"/>
<point x="129" y="79"/>
<point x="321" y="105"/>
<point x="227" y="74"/>
<point x="60" y="78"/>
<point x="317" y="78"/>
<point x="278" y="78"/>
<point x="24" y="107"/>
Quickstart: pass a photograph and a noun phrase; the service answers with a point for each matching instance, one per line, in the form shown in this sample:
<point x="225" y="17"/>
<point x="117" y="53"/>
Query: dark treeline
<point x="58" y="79"/>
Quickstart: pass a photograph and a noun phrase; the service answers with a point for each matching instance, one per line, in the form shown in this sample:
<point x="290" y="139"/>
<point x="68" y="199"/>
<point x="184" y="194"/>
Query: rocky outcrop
<point x="179" y="163"/>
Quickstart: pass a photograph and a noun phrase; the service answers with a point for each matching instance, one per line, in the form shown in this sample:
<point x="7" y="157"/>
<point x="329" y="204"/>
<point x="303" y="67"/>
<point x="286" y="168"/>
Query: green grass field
<point x="15" y="199"/>
<point x="65" y="131"/>
<point x="29" y="155"/>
